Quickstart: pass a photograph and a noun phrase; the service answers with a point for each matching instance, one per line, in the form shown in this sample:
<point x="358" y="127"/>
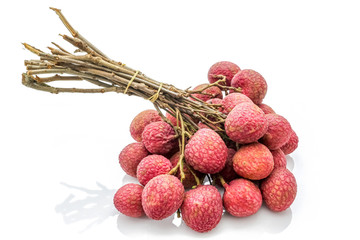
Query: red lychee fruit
<point x="279" y="158"/>
<point x="228" y="172"/>
<point x="253" y="161"/>
<point x="246" y="123"/>
<point x="291" y="144"/>
<point x="242" y="198"/>
<point x="162" y="196"/>
<point x="159" y="137"/>
<point x="172" y="119"/>
<point x="130" y="157"/>
<point x="211" y="92"/>
<point x="206" y="151"/>
<point x="252" y="84"/>
<point x="152" y="166"/>
<point x="127" y="200"/>
<point x="279" y="189"/>
<point x="140" y="121"/>
<point x="233" y="99"/>
<point x="216" y="101"/>
<point x="278" y="132"/>
<point x="202" y="208"/>
<point x="266" y="108"/>
<point x="224" y="68"/>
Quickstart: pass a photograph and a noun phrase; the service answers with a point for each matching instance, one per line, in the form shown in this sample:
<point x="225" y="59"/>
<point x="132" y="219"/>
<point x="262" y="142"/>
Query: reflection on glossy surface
<point x="290" y="163"/>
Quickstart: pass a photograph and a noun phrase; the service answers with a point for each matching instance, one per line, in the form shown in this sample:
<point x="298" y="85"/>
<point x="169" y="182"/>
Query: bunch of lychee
<point x="248" y="159"/>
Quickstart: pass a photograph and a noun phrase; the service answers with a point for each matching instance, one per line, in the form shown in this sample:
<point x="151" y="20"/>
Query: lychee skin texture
<point x="291" y="145"/>
<point x="252" y="84"/>
<point x="214" y="92"/>
<point x="279" y="158"/>
<point x="246" y="123"/>
<point x="242" y="198"/>
<point x="130" y="157"/>
<point x="202" y="208"/>
<point x="233" y="99"/>
<point x="278" y="132"/>
<point x="127" y="200"/>
<point x="279" y="189"/>
<point x="217" y="101"/>
<point x="152" y="166"/>
<point x="159" y="137"/>
<point x="228" y="172"/>
<point x="266" y="108"/>
<point x="253" y="161"/>
<point x="206" y="151"/>
<point x="140" y="121"/>
<point x="162" y="196"/>
<point x="225" y="68"/>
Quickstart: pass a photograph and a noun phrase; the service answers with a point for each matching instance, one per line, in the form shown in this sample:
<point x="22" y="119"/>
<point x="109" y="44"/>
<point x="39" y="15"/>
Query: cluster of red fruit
<point x="251" y="165"/>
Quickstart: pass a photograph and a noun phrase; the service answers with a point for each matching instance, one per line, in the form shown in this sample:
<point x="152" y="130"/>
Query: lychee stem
<point x="222" y="181"/>
<point x="197" y="180"/>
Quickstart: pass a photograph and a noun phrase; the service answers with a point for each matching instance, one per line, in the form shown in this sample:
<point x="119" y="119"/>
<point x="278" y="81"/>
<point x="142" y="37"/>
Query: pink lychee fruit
<point x="266" y="108"/>
<point x="159" y="137"/>
<point x="208" y="93"/>
<point x="130" y="157"/>
<point x="246" y="123"/>
<point x="162" y="196"/>
<point x="252" y="84"/>
<point x="127" y="200"/>
<point x="220" y="69"/>
<point x="140" y="121"/>
<point x="233" y="99"/>
<point x="253" y="161"/>
<point x="291" y="144"/>
<point x="172" y="119"/>
<point x="152" y="166"/>
<point x="218" y="103"/>
<point x="202" y="208"/>
<point x="242" y="198"/>
<point x="279" y="158"/>
<point x="228" y="172"/>
<point x="206" y="151"/>
<point x="279" y="189"/>
<point x="278" y="132"/>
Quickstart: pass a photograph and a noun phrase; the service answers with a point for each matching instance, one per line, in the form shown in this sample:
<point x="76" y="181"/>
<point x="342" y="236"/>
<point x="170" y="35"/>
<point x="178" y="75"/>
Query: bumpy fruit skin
<point x="159" y="137"/>
<point x="206" y="151"/>
<point x="266" y="108"/>
<point x="291" y="144"/>
<point x="152" y="166"/>
<point x="252" y="84"/>
<point x="214" y="92"/>
<point x="127" y="200"/>
<point x="242" y="198"/>
<point x="278" y="132"/>
<point x="279" y="189"/>
<point x="253" y="161"/>
<point x="217" y="101"/>
<point x="233" y="99"/>
<point x="279" y="158"/>
<point x="140" y="121"/>
<point x="162" y="196"/>
<point x="228" y="172"/>
<point x="246" y="123"/>
<point x="225" y="68"/>
<point x="202" y="208"/>
<point x="130" y="157"/>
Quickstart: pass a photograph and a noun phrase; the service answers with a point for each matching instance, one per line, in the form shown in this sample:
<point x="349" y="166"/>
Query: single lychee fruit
<point x="127" y="200"/>
<point x="278" y="132"/>
<point x="159" y="137"/>
<point x="206" y="151"/>
<point x="242" y="198"/>
<point x="266" y="108"/>
<point x="172" y="119"/>
<point x="162" y="196"/>
<point x="279" y="189"/>
<point x="130" y="157"/>
<point x="140" y="121"/>
<point x="224" y="68"/>
<point x="252" y="84"/>
<point x="152" y="166"/>
<point x="233" y="99"/>
<point x="246" y="123"/>
<point x="218" y="103"/>
<point x="291" y="144"/>
<point x="279" y="158"/>
<point x="228" y="172"/>
<point x="208" y="93"/>
<point x="253" y="161"/>
<point x="202" y="208"/>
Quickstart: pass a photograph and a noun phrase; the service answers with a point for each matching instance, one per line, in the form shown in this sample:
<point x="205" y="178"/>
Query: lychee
<point x="228" y="172"/>
<point x="242" y="198"/>
<point x="224" y="68"/>
<point x="246" y="123"/>
<point x="291" y="144"/>
<point x="206" y="151"/>
<point x="278" y="132"/>
<point x="162" y="196"/>
<point x="202" y="208"/>
<point x="252" y="84"/>
<point x="140" y="121"/>
<point x="130" y="157"/>
<point x="279" y="158"/>
<point x="159" y="137"/>
<point x="266" y="108"/>
<point x="208" y="93"/>
<point x="279" y="189"/>
<point x="216" y="101"/>
<point x="253" y="161"/>
<point x="233" y="99"/>
<point x="152" y="166"/>
<point x="127" y="200"/>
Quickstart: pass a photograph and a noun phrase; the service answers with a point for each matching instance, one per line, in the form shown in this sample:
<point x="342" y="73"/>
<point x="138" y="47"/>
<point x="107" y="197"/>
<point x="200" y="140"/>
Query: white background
<point x="59" y="167"/>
